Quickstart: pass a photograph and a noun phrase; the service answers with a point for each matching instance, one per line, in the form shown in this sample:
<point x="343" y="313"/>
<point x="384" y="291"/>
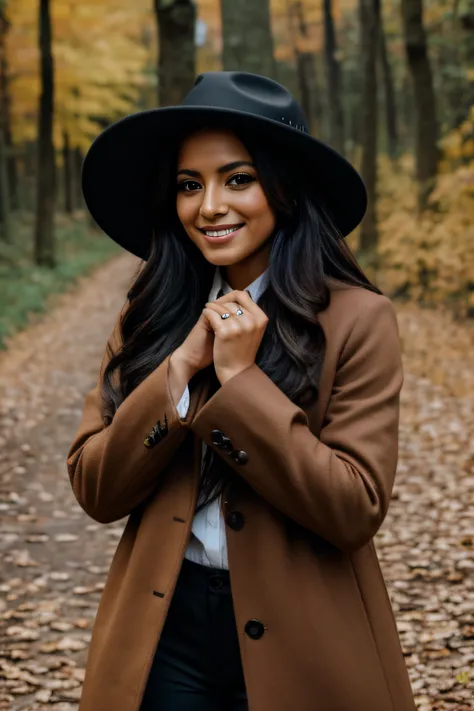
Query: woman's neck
<point x="240" y="276"/>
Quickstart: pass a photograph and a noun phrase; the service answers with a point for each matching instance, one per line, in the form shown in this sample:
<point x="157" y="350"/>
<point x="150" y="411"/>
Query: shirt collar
<point x="255" y="289"/>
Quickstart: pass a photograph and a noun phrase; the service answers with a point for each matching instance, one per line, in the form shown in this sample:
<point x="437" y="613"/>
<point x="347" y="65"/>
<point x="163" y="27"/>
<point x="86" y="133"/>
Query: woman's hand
<point x="237" y="338"/>
<point x="196" y="352"/>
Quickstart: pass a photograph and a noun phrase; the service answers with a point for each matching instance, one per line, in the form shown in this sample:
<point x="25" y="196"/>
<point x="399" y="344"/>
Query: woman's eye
<point x="241" y="179"/>
<point x="188" y="186"/>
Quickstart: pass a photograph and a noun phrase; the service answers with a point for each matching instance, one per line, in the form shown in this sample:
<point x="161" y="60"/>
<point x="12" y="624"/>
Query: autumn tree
<point x="176" y="22"/>
<point x="247" y="37"/>
<point x="9" y="155"/>
<point x="102" y="69"/>
<point x="391" y="111"/>
<point x="333" y="81"/>
<point x="369" y="17"/>
<point x="68" y="174"/>
<point x="4" y="129"/>
<point x="305" y="66"/>
<point x="426" y="128"/>
<point x="45" y="200"/>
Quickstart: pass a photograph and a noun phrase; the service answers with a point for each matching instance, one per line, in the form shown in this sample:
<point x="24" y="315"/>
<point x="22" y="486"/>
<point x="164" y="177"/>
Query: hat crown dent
<point x="249" y="93"/>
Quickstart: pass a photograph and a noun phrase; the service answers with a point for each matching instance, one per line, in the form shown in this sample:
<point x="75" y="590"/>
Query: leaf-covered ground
<point x="54" y="559"/>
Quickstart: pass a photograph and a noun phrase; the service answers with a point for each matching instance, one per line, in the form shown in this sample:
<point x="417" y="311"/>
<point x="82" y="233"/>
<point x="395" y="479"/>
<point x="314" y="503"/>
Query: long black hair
<point x="172" y="287"/>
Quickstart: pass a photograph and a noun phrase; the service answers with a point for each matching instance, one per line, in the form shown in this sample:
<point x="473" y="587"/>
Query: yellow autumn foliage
<point x="102" y="63"/>
<point x="99" y="64"/>
<point x="458" y="146"/>
<point x="430" y="258"/>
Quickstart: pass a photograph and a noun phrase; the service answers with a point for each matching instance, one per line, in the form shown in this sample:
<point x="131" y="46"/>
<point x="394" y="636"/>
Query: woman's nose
<point x="212" y="204"/>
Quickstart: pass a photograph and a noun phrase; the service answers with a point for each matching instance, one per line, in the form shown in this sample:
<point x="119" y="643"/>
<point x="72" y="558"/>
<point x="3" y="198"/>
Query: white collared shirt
<point x="208" y="544"/>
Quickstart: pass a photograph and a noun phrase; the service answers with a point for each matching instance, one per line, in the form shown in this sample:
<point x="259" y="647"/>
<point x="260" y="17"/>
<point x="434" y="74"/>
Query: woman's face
<point x="220" y="200"/>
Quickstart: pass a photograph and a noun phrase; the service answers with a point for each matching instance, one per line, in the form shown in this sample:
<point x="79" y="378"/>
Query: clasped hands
<point x="237" y="338"/>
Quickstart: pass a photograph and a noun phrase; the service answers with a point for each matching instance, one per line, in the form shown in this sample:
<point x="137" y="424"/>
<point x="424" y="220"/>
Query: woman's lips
<point x="229" y="234"/>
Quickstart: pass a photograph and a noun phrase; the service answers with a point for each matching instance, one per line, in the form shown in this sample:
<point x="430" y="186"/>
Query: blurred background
<point x="390" y="85"/>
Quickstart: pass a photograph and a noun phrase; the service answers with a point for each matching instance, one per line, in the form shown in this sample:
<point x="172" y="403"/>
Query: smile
<point x="220" y="233"/>
<point x="223" y="235"/>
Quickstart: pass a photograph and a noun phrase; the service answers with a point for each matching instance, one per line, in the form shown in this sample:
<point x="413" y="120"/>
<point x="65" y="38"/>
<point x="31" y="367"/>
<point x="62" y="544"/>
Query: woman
<point x="250" y="337"/>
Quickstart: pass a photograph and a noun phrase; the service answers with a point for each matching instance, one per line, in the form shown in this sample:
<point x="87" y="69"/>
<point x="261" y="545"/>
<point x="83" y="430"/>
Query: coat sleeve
<point x="337" y="485"/>
<point x="111" y="469"/>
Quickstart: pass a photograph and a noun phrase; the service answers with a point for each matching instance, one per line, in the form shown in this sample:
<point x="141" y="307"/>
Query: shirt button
<point x="254" y="629"/>
<point x="235" y="520"/>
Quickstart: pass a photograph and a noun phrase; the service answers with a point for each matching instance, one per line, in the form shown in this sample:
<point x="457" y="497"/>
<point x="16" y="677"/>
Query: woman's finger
<point x="226" y="307"/>
<point x="214" y="319"/>
<point x="240" y="297"/>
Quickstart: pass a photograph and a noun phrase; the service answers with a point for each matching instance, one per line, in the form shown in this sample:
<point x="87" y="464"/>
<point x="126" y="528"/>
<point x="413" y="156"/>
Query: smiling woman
<point x="224" y="205"/>
<point x="245" y="418"/>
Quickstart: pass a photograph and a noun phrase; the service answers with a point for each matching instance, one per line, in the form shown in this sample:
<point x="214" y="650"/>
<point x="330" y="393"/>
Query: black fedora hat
<point x="120" y="166"/>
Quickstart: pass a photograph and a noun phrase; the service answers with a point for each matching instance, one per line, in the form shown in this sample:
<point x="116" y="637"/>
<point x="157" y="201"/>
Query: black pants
<point x="197" y="665"/>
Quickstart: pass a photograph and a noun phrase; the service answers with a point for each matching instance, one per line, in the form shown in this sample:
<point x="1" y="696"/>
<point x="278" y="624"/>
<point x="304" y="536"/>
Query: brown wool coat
<point x="318" y="485"/>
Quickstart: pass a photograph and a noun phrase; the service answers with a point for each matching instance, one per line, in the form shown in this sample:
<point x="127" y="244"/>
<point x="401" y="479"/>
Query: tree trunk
<point x="352" y="118"/>
<point x="333" y="81"/>
<point x="369" y="34"/>
<point x="247" y="37"/>
<point x="308" y="85"/>
<point x="45" y="194"/>
<point x="5" y="112"/>
<point x="391" y="111"/>
<point x="68" y="173"/>
<point x="77" y="161"/>
<point x="176" y="23"/>
<point x="306" y="70"/>
<point x="5" y="215"/>
<point x="454" y="85"/>
<point x="465" y="18"/>
<point x="426" y="128"/>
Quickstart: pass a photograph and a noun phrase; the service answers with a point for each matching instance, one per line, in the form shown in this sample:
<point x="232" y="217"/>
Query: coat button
<point x="240" y="456"/>
<point x="254" y="629"/>
<point x="235" y="520"/>
<point x="217" y="437"/>
<point x="225" y="444"/>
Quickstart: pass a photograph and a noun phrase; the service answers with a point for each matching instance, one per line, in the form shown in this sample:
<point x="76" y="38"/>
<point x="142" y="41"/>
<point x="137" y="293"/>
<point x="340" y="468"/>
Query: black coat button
<point x="254" y="629"/>
<point x="239" y="456"/>
<point x="235" y="520"/>
<point x="225" y="444"/>
<point x="217" y="437"/>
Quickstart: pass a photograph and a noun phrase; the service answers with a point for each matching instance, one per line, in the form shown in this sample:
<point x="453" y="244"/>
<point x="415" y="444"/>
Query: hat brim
<point x="121" y="163"/>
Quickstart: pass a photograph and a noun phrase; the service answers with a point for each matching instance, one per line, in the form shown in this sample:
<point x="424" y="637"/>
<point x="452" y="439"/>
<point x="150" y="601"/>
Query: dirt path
<point x="54" y="558"/>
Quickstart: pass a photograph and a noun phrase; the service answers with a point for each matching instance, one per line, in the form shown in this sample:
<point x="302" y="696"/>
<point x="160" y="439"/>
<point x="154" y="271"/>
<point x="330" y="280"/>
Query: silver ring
<point x="224" y="316"/>
<point x="239" y="312"/>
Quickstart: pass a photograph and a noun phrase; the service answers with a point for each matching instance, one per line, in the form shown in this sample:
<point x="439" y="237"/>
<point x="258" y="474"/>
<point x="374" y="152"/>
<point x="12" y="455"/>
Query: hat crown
<point x="247" y="93"/>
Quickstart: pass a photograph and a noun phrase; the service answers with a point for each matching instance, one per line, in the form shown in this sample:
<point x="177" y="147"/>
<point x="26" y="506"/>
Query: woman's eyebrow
<point x="223" y="169"/>
<point x="184" y="171"/>
<point x="232" y="166"/>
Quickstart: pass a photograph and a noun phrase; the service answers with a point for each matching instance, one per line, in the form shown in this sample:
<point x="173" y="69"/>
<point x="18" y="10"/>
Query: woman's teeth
<point x="221" y="233"/>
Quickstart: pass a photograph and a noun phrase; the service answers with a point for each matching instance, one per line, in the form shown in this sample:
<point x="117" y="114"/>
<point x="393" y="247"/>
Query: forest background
<point x="389" y="84"/>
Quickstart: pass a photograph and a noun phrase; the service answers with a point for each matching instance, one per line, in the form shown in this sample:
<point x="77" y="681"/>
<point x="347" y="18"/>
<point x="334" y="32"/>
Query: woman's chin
<point x="221" y="260"/>
<point x="222" y="257"/>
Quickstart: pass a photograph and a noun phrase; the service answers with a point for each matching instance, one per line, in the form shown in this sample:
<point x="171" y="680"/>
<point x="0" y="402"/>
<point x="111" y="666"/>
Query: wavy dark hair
<point x="172" y="287"/>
